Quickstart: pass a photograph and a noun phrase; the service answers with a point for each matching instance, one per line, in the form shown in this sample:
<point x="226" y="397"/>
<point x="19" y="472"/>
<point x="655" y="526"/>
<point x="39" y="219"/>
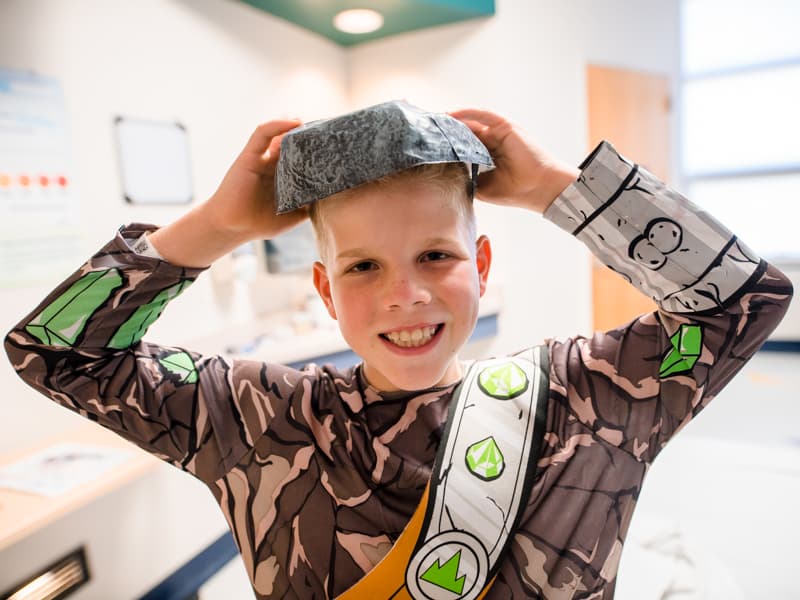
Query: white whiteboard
<point x="154" y="161"/>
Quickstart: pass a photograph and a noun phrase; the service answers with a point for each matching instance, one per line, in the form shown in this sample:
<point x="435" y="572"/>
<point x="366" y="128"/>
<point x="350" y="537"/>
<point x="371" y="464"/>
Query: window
<point x="740" y="142"/>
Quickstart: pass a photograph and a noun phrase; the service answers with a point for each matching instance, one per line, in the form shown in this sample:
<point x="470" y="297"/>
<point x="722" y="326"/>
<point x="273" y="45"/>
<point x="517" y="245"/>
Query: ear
<point x="483" y="260"/>
<point x="323" y="286"/>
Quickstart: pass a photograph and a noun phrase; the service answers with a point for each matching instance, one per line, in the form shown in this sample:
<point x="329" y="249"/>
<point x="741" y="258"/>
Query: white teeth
<point x="412" y="339"/>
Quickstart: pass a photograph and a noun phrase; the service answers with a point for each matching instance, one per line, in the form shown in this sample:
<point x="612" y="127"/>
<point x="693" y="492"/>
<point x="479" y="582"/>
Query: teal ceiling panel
<point x="399" y="15"/>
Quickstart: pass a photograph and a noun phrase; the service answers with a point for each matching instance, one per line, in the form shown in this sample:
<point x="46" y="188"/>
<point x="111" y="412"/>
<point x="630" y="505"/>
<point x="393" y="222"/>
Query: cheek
<point x="463" y="283"/>
<point x="350" y="305"/>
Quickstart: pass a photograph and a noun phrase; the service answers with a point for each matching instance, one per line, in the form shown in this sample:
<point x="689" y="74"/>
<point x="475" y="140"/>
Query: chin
<point x="416" y="381"/>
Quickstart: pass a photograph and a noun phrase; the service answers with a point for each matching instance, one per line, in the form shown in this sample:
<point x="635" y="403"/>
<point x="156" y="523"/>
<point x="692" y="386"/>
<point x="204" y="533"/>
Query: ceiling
<point x="399" y="15"/>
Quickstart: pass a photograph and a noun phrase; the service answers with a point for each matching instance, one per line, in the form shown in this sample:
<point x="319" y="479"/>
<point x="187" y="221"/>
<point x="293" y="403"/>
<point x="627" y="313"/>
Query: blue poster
<point x="39" y="216"/>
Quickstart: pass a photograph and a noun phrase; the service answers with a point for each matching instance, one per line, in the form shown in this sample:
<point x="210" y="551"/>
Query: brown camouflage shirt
<point x="317" y="473"/>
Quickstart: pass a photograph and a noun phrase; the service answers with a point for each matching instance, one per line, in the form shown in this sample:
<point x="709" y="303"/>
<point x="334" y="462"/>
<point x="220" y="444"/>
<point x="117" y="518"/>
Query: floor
<point x="718" y="516"/>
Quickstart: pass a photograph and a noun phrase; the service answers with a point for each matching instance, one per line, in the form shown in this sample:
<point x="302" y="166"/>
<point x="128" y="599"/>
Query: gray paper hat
<point x="322" y="158"/>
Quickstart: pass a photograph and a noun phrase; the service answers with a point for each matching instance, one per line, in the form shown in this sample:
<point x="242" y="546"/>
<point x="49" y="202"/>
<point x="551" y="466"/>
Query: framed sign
<point x="154" y="161"/>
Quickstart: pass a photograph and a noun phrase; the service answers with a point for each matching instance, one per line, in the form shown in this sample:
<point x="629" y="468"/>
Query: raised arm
<point x="83" y="347"/>
<point x="634" y="387"/>
<point x="717" y="303"/>
<point x="242" y="209"/>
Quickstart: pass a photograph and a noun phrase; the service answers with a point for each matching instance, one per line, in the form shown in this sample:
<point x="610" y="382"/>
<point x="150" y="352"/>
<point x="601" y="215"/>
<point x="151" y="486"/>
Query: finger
<point x="273" y="150"/>
<point x="486" y="117"/>
<point x="260" y="140"/>
<point x="491" y="128"/>
<point x="483" y="133"/>
<point x="476" y="127"/>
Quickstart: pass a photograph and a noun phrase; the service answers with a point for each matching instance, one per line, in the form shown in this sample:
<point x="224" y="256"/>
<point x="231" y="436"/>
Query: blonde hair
<point x="452" y="179"/>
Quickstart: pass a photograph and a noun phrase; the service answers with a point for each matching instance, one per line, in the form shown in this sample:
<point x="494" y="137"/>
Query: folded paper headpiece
<point x="322" y="158"/>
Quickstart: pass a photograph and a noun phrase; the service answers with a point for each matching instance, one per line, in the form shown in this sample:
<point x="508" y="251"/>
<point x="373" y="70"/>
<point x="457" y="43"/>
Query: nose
<point x="404" y="290"/>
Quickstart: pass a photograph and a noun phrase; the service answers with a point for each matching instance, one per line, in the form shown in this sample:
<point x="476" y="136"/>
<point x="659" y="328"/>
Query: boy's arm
<point x="637" y="385"/>
<point x="718" y="302"/>
<point x="241" y="209"/>
<point x="82" y="346"/>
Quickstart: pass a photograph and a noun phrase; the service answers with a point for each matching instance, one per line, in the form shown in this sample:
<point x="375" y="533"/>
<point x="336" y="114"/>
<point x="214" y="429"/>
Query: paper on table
<point x="61" y="468"/>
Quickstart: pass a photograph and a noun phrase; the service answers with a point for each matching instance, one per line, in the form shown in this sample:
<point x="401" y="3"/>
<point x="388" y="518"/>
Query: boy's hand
<point x="525" y="176"/>
<point x="244" y="203"/>
<point x="242" y="209"/>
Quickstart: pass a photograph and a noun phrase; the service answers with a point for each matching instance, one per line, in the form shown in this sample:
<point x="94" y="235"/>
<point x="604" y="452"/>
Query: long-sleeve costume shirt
<point x="317" y="472"/>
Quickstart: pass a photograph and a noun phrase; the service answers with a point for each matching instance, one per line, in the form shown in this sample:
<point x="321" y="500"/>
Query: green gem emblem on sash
<point x="503" y="381"/>
<point x="485" y="460"/>
<point x="446" y="576"/>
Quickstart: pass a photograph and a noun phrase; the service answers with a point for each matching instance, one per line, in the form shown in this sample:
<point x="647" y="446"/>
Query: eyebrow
<point x="362" y="252"/>
<point x="352" y="253"/>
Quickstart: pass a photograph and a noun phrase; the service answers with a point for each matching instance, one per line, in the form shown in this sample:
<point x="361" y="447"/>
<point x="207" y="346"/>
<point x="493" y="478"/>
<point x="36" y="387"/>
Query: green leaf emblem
<point x="686" y="345"/>
<point x="64" y="319"/>
<point x="503" y="381"/>
<point x="485" y="460"/>
<point x="446" y="576"/>
<point x="180" y="364"/>
<point x="132" y="330"/>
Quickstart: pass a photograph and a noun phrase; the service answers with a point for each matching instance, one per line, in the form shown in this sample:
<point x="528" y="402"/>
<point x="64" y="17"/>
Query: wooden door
<point x="631" y="110"/>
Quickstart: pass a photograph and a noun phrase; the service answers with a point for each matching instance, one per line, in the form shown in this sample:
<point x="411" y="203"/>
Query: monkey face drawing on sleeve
<point x="661" y="237"/>
<point x="664" y="234"/>
<point x="646" y="254"/>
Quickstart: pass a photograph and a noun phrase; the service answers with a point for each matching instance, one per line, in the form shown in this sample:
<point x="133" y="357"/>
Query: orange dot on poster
<point x="5" y="180"/>
<point x="44" y="180"/>
<point x="61" y="180"/>
<point x="24" y="180"/>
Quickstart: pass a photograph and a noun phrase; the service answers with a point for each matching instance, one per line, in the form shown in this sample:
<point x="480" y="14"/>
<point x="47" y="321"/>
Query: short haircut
<point x="452" y="179"/>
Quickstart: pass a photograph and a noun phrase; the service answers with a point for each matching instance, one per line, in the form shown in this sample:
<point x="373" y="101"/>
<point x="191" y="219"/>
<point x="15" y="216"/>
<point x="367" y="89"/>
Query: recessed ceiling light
<point x="358" y="20"/>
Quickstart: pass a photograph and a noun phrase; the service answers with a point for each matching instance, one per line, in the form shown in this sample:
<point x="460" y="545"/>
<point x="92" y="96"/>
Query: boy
<point x="319" y="471"/>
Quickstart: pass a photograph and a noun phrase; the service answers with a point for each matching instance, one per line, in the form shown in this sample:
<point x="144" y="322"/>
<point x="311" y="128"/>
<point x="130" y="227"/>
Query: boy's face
<point x="403" y="279"/>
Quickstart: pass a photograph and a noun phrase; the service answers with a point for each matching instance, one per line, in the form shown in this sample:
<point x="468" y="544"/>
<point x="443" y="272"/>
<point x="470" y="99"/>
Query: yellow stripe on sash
<point x="387" y="580"/>
<point x="494" y="432"/>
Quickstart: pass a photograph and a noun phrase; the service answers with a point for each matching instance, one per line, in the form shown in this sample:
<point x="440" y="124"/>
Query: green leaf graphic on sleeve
<point x="64" y="319"/>
<point x="444" y="576"/>
<point x="132" y="330"/>
<point x="180" y="364"/>
<point x="686" y="345"/>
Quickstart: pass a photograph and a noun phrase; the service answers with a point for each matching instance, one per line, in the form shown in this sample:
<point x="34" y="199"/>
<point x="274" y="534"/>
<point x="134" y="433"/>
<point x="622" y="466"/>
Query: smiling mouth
<point x="412" y="338"/>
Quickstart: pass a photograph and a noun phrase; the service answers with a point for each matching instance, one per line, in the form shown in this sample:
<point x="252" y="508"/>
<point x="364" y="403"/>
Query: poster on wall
<point x="39" y="213"/>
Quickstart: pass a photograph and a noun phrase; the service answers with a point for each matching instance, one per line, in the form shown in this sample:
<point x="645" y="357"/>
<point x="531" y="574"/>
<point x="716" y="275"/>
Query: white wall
<point x="219" y="67"/>
<point x="527" y="63"/>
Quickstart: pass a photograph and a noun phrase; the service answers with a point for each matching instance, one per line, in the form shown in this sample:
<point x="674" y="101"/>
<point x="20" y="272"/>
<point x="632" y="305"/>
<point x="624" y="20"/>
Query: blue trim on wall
<point x="781" y="346"/>
<point x="185" y="582"/>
